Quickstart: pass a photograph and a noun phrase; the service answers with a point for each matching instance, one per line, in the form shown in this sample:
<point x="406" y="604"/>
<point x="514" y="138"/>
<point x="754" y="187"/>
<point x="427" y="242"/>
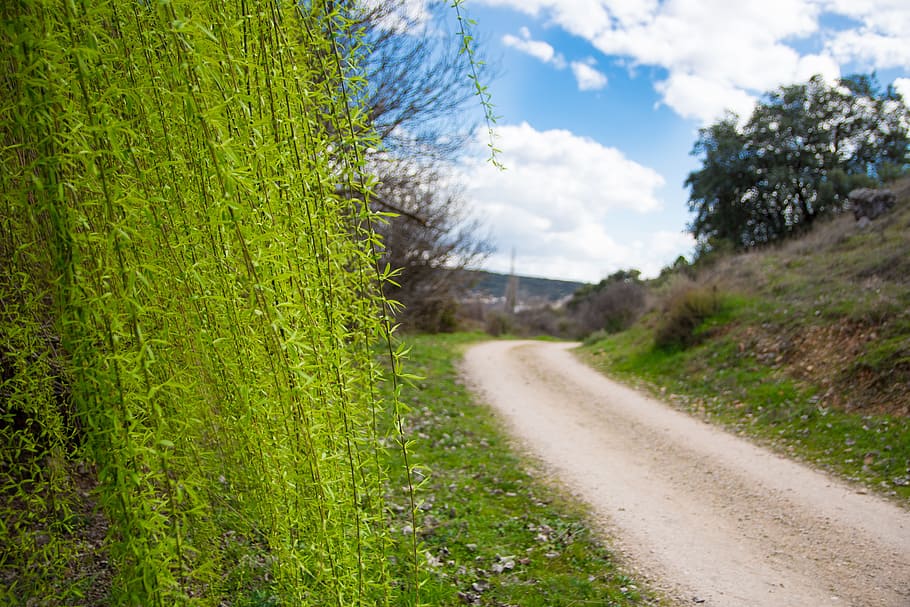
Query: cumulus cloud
<point x="718" y="52"/>
<point x="810" y="65"/>
<point x="562" y="192"/>
<point x="405" y="16"/>
<point x="881" y="41"/>
<point x="871" y="49"/>
<point x="903" y="87"/>
<point x="703" y="99"/>
<point x="588" y="77"/>
<point x="536" y="48"/>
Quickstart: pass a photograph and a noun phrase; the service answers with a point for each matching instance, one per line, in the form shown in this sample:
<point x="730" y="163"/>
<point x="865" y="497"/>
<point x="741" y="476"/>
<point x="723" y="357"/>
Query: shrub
<point x="684" y="310"/>
<point x="498" y="323"/>
<point x="612" y="308"/>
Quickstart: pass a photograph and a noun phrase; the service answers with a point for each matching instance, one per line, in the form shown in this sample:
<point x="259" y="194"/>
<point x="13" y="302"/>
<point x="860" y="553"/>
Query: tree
<point x="415" y="99"/>
<point x="178" y="270"/>
<point x="720" y="190"/>
<point x="418" y="80"/>
<point x="429" y="242"/>
<point x="796" y="159"/>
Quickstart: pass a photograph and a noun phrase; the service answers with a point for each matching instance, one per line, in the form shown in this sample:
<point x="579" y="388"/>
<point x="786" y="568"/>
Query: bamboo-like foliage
<point x="188" y="309"/>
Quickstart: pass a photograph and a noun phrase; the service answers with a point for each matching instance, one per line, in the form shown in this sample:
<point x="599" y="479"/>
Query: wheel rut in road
<point x="704" y="514"/>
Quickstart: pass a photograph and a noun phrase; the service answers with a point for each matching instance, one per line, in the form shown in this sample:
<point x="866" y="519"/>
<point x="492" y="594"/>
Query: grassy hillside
<point x="805" y="345"/>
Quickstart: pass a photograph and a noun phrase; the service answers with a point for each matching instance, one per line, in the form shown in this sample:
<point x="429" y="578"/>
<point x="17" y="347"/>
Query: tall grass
<point x="189" y="308"/>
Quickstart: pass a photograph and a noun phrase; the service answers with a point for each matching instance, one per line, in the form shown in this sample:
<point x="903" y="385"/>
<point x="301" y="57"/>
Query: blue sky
<point x="600" y="102"/>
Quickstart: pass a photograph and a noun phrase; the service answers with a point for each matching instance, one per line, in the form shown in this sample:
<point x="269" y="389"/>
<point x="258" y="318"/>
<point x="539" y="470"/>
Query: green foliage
<point x="796" y="159"/>
<point x="189" y="310"/>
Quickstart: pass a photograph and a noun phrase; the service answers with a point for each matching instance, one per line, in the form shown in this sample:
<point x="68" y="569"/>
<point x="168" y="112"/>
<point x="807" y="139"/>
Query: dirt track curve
<point x="707" y="516"/>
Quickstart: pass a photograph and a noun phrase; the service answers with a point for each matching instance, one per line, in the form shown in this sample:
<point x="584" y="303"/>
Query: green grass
<point x="490" y="533"/>
<point x="720" y="381"/>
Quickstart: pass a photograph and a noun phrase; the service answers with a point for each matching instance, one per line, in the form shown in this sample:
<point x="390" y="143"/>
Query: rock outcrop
<point x="869" y="203"/>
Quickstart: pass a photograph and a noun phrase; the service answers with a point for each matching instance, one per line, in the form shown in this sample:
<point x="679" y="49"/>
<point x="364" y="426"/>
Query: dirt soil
<point x="708" y="517"/>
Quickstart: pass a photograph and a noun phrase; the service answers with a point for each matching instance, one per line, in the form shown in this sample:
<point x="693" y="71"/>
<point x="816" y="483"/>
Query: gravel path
<point x="710" y="518"/>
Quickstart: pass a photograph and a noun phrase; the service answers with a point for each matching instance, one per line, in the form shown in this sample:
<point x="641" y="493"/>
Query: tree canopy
<point x="796" y="158"/>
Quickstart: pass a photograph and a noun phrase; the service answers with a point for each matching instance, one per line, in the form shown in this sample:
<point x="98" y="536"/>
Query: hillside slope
<point x="832" y="308"/>
<point x="806" y="344"/>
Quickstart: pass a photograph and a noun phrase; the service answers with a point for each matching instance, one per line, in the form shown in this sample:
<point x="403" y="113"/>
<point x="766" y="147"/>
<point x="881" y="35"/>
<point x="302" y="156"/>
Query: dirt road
<point x="711" y="518"/>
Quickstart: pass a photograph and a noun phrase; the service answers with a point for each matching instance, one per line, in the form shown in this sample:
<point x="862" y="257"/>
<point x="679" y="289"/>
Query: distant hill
<point x="482" y="284"/>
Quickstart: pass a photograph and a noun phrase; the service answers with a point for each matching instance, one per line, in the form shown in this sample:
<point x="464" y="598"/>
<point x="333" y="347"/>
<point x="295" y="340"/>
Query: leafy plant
<point x="189" y="309"/>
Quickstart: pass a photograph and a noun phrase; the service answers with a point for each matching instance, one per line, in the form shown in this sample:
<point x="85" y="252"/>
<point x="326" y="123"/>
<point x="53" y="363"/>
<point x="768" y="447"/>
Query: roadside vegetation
<point x="490" y="533"/>
<point x="194" y="273"/>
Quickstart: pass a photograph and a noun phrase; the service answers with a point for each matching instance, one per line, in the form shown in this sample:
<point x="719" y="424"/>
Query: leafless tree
<point x="430" y="241"/>
<point x="419" y="100"/>
<point x="419" y="95"/>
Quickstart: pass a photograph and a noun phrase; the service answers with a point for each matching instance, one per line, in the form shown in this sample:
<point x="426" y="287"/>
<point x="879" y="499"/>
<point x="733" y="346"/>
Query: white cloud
<point x="886" y="16"/>
<point x="588" y="77"/>
<point x="881" y="41"/>
<point x="903" y="87"/>
<point x="871" y="48"/>
<point x="733" y="50"/>
<point x="703" y="99"/>
<point x="810" y="65"/>
<point x="536" y="48"/>
<point x="562" y="193"/>
<point x="403" y="16"/>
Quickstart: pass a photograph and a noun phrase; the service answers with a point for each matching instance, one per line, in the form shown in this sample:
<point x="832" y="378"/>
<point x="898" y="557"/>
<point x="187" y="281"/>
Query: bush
<point x="433" y="315"/>
<point x="498" y="323"/>
<point x="685" y="309"/>
<point x="612" y="308"/>
<point x="542" y="321"/>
